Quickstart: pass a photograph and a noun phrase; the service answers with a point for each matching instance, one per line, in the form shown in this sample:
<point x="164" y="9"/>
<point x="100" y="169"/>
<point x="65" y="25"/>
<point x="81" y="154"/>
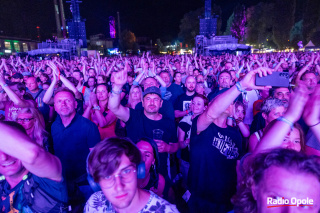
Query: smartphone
<point x="276" y="79"/>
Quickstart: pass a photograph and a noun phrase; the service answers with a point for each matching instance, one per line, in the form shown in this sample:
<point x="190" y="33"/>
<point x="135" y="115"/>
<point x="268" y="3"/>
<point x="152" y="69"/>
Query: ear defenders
<point x="141" y="173"/>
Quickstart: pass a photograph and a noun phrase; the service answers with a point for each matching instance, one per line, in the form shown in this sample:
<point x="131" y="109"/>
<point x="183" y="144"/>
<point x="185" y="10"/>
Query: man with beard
<point x="182" y="104"/>
<point x="142" y="123"/>
<point x="224" y="83"/>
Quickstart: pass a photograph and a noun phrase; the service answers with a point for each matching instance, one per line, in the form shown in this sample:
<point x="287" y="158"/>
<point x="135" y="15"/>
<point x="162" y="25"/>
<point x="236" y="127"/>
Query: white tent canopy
<point x="46" y="51"/>
<point x="310" y="44"/>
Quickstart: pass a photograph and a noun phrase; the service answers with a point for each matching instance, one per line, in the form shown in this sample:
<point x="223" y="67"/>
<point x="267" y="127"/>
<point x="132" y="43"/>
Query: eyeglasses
<point x="126" y="176"/>
<point x="25" y="120"/>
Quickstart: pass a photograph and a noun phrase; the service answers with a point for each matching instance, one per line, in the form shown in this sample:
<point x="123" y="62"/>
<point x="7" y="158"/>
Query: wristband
<point x="5" y="85"/>
<point x="96" y="108"/>
<point x="315" y="124"/>
<point x="116" y="92"/>
<point x="239" y="87"/>
<point x="286" y="121"/>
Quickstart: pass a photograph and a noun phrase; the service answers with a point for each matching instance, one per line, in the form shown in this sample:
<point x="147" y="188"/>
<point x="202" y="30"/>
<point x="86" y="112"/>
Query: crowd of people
<point x="152" y="133"/>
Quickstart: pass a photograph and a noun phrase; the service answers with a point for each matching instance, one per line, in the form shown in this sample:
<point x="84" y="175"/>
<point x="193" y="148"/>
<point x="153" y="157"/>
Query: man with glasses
<point x="114" y="165"/>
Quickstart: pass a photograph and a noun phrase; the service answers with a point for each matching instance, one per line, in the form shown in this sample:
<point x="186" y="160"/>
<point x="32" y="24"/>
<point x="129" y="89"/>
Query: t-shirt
<point x="213" y="159"/>
<point x="71" y="144"/>
<point x="98" y="203"/>
<point x="13" y="200"/>
<point x="252" y="96"/>
<point x="86" y="94"/>
<point x="139" y="126"/>
<point x="185" y="125"/>
<point x="166" y="110"/>
<point x="43" y="108"/>
<point x="173" y="91"/>
<point x="183" y="102"/>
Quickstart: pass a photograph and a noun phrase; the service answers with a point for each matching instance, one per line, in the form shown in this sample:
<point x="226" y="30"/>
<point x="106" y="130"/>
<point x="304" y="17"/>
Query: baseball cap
<point x="152" y="90"/>
<point x="26" y="73"/>
<point x="17" y="76"/>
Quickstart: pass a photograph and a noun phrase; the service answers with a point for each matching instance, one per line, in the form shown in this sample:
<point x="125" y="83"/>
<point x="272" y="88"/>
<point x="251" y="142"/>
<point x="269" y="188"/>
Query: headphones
<point x="141" y="173"/>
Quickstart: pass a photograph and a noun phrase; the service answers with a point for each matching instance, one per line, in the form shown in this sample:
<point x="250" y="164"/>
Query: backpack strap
<point x="38" y="94"/>
<point x="83" y="89"/>
<point x="38" y="200"/>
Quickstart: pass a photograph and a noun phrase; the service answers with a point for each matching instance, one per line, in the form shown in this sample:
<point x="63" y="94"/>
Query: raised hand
<point x="248" y="81"/>
<point x="93" y="99"/>
<point x="297" y="103"/>
<point x="311" y="114"/>
<point x="120" y="78"/>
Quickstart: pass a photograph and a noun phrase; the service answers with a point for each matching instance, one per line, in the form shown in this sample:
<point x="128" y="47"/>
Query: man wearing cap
<point x="142" y="123"/>
<point x="17" y="77"/>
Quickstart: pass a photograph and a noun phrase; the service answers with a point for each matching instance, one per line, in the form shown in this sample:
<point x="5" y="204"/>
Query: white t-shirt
<point x="252" y="96"/>
<point x="98" y="203"/>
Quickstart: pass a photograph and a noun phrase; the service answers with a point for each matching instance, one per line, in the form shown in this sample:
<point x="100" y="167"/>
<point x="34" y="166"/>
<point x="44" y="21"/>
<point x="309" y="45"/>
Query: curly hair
<point x="284" y="158"/>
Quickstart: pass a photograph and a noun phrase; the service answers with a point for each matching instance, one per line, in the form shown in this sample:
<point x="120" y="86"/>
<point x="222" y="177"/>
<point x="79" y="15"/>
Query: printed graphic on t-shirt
<point x="186" y="105"/>
<point x="167" y="96"/>
<point x="226" y="146"/>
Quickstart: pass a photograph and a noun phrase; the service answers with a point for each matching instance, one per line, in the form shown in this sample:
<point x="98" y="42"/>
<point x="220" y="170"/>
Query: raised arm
<point x="273" y="138"/>
<point x="13" y="96"/>
<point x="121" y="112"/>
<point x="224" y="100"/>
<point x="47" y="98"/>
<point x="33" y="157"/>
<point x="65" y="81"/>
<point x="311" y="114"/>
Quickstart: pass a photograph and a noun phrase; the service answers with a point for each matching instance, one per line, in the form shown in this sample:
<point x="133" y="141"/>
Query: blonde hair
<point x="39" y="132"/>
<point x="131" y="90"/>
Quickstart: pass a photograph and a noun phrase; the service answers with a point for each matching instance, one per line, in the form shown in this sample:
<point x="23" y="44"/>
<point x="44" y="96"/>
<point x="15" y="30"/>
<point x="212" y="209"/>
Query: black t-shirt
<point x="139" y="126"/>
<point x="173" y="92"/>
<point x="166" y="110"/>
<point x="213" y="159"/>
<point x="258" y="123"/>
<point x="183" y="102"/>
<point x="185" y="126"/>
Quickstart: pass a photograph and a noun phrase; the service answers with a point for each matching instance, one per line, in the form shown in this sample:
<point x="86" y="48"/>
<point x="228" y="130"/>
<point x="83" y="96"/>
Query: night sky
<point x="150" y="18"/>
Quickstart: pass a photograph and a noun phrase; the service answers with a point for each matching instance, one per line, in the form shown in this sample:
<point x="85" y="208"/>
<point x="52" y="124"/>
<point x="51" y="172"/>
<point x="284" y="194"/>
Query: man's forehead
<point x="152" y="95"/>
<point x="282" y="89"/>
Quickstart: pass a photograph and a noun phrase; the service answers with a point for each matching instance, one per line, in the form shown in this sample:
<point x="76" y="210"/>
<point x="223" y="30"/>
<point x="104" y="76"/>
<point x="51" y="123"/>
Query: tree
<point x="283" y="22"/>
<point x="296" y="33"/>
<point x="259" y="24"/>
<point x="229" y="24"/>
<point x="189" y="26"/>
<point x="238" y="24"/>
<point x="127" y="40"/>
<point x="311" y="17"/>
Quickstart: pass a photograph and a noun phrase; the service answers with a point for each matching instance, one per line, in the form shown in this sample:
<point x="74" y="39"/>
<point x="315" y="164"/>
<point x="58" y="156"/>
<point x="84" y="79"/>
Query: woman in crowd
<point x="135" y="96"/>
<point x="239" y="112"/>
<point x="98" y="112"/>
<point x="198" y="105"/>
<point x="91" y="83"/>
<point x="32" y="121"/>
<point x="153" y="180"/>
<point x="272" y="108"/>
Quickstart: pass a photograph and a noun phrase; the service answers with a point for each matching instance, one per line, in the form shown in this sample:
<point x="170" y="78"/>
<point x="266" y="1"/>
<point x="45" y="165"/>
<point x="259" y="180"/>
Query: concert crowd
<point x="151" y="133"/>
